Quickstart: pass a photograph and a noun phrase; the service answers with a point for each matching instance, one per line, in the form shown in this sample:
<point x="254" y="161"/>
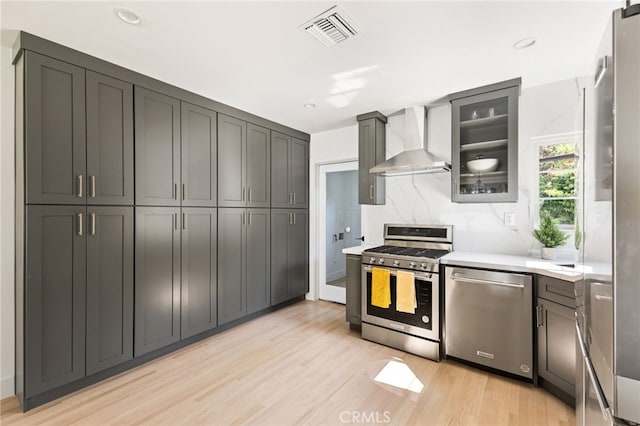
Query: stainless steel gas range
<point x="412" y="251"/>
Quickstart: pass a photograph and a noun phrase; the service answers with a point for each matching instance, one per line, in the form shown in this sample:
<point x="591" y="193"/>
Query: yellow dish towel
<point x="380" y="287"/>
<point x="406" y="292"/>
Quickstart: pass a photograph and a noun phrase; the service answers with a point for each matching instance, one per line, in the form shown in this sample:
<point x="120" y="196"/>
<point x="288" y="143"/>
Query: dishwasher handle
<point x="457" y="277"/>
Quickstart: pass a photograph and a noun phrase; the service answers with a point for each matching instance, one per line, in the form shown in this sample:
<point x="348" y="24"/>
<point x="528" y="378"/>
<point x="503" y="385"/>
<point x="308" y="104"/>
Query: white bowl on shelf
<point x="483" y="165"/>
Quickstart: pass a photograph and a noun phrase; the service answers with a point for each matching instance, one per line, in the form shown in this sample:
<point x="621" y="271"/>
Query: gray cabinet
<point x="157" y="278"/>
<point x="289" y="254"/>
<point x="157" y="148"/>
<point x="109" y="140"/>
<point x="54" y="294"/>
<point x="199" y="276"/>
<point x="55" y="136"/>
<point x="555" y="316"/>
<point x="354" y="289"/>
<point x="199" y="156"/>
<point x="243" y="271"/>
<point x="371" y="151"/>
<point x="484" y="126"/>
<point x="109" y="287"/>
<point x="244" y="175"/>
<point x="289" y="171"/>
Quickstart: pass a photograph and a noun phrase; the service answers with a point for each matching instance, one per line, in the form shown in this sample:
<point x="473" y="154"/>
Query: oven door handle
<point x="419" y="276"/>
<point x="456" y="277"/>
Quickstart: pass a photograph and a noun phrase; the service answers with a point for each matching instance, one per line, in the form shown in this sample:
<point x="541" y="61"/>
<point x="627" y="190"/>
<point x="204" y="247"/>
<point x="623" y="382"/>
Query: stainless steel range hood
<point x="413" y="161"/>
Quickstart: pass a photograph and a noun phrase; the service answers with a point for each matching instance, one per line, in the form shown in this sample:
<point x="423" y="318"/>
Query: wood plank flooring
<point x="299" y="365"/>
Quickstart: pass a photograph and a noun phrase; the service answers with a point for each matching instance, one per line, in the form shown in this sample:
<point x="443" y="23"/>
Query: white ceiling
<point x="252" y="55"/>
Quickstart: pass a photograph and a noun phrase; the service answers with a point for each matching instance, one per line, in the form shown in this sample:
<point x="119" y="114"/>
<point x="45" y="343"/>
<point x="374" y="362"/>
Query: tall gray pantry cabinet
<point x="117" y="172"/>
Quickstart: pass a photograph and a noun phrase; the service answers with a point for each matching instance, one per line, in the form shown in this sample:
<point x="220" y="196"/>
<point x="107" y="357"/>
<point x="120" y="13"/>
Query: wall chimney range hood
<point x="413" y="161"/>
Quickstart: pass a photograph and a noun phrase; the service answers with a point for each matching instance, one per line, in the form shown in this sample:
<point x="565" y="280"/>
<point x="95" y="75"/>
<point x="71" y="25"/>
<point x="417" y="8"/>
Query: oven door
<point x="424" y="323"/>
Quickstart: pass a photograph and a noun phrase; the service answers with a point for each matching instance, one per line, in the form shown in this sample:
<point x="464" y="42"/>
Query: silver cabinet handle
<point x="184" y="221"/>
<point x="371" y="191"/>
<point x="175" y="190"/>
<point x="80" y="232"/>
<point x="603" y="298"/>
<point x="92" y="180"/>
<point x="249" y="194"/>
<point x="294" y="199"/>
<point x="290" y="218"/>
<point x="539" y="320"/>
<point x="294" y="217"/>
<point x="289" y="198"/>
<point x="79" y="186"/>
<point x="456" y="277"/>
<point x="455" y="186"/>
<point x="175" y="220"/>
<point x="92" y="224"/>
<point x="184" y="191"/>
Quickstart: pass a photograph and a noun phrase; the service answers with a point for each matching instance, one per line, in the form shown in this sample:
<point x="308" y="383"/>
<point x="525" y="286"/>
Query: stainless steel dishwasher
<point x="488" y="319"/>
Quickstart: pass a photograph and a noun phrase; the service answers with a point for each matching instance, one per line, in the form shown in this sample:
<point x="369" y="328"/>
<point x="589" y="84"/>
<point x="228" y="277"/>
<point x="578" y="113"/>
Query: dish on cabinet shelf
<point x="483" y="165"/>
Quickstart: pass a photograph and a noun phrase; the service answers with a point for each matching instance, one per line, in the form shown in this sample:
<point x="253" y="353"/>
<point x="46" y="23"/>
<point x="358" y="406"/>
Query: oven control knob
<point x="372" y="260"/>
<point x="425" y="319"/>
<point x="412" y="264"/>
<point x="381" y="261"/>
<point x="423" y="265"/>
<point x="396" y="262"/>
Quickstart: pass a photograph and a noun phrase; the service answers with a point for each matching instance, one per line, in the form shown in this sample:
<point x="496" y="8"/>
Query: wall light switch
<point x="509" y="219"/>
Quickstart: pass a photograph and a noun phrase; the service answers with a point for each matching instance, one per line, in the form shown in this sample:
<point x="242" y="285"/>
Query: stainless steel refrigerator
<point x="608" y="296"/>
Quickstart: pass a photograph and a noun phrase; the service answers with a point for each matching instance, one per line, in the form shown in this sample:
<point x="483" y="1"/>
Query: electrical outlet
<point x="510" y="219"/>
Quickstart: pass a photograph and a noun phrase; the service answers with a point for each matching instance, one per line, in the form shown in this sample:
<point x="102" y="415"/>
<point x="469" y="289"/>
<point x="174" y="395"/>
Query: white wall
<point x="545" y="111"/>
<point x="7" y="183"/>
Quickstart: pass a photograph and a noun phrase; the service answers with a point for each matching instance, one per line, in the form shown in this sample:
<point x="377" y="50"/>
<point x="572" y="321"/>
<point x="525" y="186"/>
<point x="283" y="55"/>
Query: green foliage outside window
<point x="557" y="182"/>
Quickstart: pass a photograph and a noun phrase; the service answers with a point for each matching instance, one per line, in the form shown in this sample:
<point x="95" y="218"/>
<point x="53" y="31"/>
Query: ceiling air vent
<point x="331" y="27"/>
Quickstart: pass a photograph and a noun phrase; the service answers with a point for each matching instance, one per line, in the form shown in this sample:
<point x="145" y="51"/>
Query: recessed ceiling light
<point x="524" y="43"/>
<point x="309" y="105"/>
<point x="128" y="16"/>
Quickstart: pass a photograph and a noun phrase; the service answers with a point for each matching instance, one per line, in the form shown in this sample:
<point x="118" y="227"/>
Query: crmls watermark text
<point x="365" y="417"/>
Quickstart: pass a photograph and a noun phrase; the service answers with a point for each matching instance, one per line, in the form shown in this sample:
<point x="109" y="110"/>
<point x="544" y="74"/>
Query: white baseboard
<point x="7" y="387"/>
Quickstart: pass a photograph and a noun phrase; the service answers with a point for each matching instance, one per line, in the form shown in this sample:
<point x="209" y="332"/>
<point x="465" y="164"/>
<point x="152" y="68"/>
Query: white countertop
<point x="502" y="262"/>
<point x="511" y="263"/>
<point x="358" y="249"/>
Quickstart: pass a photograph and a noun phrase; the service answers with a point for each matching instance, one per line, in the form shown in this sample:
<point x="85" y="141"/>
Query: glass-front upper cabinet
<point x="484" y="146"/>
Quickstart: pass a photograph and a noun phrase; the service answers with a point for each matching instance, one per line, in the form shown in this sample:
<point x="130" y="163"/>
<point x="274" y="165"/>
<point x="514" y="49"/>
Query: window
<point x="557" y="181"/>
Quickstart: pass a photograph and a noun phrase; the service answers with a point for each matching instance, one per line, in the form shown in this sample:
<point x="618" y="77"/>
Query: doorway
<point x="340" y="226"/>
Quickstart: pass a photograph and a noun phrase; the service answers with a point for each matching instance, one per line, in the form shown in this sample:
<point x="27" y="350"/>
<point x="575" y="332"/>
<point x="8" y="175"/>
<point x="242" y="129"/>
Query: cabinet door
<point x="54" y="131"/>
<point x="55" y="297"/>
<point x="556" y="344"/>
<point x="485" y="125"/>
<point x="109" y="287"/>
<point x="298" y="248"/>
<point x="258" y="259"/>
<point x="371" y="151"/>
<point x="280" y="191"/>
<point x="198" y="270"/>
<point x="157" y="278"/>
<point x="232" y="145"/>
<point x="109" y="140"/>
<point x="258" y="166"/>
<point x="299" y="173"/>
<point x="199" y="150"/>
<point x="231" y="268"/>
<point x="157" y="132"/>
<point x="354" y="289"/>
<point x="281" y="219"/>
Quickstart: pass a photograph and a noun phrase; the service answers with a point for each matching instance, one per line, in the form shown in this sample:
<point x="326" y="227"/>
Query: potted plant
<point x="549" y="235"/>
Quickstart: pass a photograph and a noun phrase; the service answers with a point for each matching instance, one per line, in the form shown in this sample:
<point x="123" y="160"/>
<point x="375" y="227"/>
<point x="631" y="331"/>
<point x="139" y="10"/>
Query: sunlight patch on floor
<point x="398" y="374"/>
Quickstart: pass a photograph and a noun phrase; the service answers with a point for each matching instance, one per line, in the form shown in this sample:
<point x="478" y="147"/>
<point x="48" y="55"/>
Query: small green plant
<point x="577" y="236"/>
<point x="549" y="234"/>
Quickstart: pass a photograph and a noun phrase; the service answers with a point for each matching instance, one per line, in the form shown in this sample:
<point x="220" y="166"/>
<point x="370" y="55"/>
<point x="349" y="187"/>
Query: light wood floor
<point x="300" y="365"/>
